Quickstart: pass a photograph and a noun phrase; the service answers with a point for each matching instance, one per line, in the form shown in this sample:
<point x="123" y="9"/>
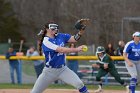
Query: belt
<point x="55" y="66"/>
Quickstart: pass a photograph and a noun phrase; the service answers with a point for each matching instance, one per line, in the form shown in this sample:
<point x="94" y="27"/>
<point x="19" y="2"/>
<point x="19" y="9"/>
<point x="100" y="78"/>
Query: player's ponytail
<point x="43" y="32"/>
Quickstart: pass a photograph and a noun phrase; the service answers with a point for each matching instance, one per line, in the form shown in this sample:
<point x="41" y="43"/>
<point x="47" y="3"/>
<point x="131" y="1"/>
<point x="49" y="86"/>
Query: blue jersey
<point x="133" y="50"/>
<point x="49" y="46"/>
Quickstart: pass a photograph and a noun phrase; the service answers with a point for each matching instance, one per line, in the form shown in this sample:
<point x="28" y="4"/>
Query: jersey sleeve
<point x="127" y="48"/>
<point x="49" y="45"/>
<point x="66" y="37"/>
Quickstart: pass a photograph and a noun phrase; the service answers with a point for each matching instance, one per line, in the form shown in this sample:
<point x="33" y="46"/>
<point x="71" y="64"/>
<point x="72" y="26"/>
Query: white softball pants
<point x="49" y="75"/>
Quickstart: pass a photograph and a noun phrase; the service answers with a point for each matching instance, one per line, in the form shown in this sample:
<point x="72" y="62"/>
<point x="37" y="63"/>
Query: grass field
<point x="58" y="86"/>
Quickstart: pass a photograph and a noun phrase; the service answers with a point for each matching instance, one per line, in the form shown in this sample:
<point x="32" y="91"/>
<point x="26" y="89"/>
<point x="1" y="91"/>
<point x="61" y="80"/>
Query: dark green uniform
<point x="111" y="69"/>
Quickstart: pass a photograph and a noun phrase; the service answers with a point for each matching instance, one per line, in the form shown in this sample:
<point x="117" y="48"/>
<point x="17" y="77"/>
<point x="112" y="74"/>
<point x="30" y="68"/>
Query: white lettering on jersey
<point x="137" y="52"/>
<point x="59" y="54"/>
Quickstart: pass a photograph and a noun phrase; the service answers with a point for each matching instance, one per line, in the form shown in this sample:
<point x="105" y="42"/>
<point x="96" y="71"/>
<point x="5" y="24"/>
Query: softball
<point x="85" y="48"/>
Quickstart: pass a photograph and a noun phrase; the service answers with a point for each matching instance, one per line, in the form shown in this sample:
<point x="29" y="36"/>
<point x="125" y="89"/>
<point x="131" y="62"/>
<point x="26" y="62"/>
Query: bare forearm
<point x="76" y="37"/>
<point x="127" y="60"/>
<point x="125" y="57"/>
<point x="66" y="50"/>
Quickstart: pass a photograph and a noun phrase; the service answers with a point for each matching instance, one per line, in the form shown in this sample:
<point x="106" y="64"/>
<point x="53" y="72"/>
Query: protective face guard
<point x="53" y="27"/>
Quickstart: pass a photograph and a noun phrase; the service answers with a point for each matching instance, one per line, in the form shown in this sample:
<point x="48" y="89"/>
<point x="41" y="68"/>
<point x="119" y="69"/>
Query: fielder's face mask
<point x="54" y="27"/>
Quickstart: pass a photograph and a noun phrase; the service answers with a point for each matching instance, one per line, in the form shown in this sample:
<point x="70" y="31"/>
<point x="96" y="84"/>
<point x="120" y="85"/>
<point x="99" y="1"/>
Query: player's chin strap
<point x="56" y="33"/>
<point x="54" y="27"/>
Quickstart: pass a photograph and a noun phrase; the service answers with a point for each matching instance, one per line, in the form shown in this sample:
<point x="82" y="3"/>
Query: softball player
<point x="105" y="65"/>
<point x="131" y="55"/>
<point x="52" y="44"/>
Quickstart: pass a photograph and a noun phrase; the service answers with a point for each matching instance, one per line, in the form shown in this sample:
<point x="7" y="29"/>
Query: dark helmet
<point x="100" y="49"/>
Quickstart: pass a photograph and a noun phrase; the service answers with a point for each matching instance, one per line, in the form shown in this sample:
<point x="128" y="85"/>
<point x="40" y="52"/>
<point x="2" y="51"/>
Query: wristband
<point x="77" y="36"/>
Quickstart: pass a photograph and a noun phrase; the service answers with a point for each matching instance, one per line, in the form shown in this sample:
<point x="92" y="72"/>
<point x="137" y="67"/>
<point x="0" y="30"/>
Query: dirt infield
<point x="54" y="91"/>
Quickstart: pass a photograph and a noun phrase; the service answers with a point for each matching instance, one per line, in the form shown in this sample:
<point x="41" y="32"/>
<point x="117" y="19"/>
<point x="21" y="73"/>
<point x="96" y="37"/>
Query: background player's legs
<point x="133" y="72"/>
<point x="69" y="77"/>
<point x="115" y="74"/>
<point x="100" y="74"/>
<point x="45" y="78"/>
